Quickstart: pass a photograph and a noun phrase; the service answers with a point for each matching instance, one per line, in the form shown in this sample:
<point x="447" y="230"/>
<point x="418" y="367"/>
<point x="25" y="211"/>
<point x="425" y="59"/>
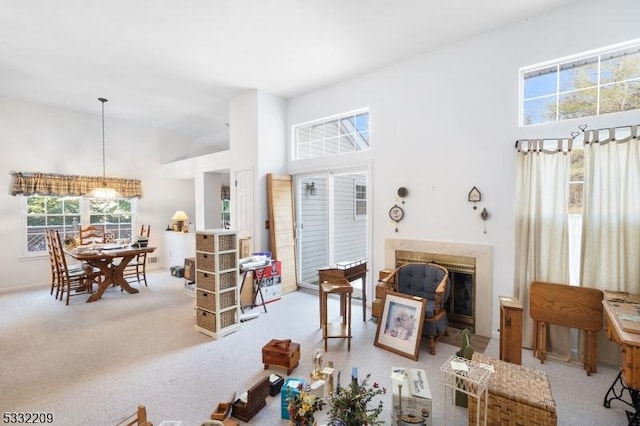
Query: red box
<point x="269" y="278"/>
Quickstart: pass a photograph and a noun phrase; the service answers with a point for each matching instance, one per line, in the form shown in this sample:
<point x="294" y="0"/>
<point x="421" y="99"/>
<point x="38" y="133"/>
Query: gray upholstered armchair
<point x="431" y="282"/>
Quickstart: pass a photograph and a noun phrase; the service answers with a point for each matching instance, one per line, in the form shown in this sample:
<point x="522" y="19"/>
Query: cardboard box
<point x="376" y="308"/>
<point x="416" y="396"/>
<point x="190" y="269"/>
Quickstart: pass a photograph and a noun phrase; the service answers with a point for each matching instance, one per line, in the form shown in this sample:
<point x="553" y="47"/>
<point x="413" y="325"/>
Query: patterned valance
<point x="68" y="185"/>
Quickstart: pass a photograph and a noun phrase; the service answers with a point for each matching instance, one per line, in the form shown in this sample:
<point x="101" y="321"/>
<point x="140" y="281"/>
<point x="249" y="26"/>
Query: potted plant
<point x="350" y="406"/>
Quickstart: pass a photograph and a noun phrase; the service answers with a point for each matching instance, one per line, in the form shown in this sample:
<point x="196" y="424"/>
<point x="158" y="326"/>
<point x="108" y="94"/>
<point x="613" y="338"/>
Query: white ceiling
<point x="175" y="64"/>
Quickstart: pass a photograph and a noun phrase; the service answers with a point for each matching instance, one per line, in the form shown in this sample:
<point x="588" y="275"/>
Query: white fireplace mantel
<point x="484" y="263"/>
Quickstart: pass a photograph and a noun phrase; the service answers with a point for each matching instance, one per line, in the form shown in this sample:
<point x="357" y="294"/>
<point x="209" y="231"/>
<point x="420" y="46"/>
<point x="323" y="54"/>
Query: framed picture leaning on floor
<point x="400" y="327"/>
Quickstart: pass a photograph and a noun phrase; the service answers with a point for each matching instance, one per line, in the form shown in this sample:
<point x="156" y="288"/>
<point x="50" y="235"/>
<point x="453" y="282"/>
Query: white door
<point x="332" y="223"/>
<point x="243" y="204"/>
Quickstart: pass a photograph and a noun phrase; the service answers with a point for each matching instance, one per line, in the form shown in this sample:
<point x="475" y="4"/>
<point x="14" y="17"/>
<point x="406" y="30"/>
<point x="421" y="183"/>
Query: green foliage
<point x="619" y="90"/>
<point x="351" y="404"/>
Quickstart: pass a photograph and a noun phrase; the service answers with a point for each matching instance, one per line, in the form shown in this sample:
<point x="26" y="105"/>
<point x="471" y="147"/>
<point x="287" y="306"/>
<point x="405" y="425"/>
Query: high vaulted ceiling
<point x="175" y="64"/>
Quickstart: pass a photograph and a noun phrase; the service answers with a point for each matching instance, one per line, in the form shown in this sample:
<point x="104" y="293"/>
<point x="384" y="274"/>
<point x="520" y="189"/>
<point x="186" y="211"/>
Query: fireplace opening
<point x="461" y="303"/>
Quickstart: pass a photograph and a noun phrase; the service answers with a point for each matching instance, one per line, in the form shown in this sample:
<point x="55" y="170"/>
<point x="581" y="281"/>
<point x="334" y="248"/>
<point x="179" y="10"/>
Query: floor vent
<point x="153" y="259"/>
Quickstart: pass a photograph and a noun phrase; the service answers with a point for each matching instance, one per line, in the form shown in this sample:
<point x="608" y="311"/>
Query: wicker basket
<point x="227" y="280"/>
<point x="228" y="318"/>
<point x="206" y="280"/>
<point x="206" y="300"/>
<point x="204" y="242"/>
<point x="227" y="242"/>
<point x="227" y="299"/>
<point x="206" y="320"/>
<point x="206" y="261"/>
<point x="228" y="261"/>
<point x="517" y="396"/>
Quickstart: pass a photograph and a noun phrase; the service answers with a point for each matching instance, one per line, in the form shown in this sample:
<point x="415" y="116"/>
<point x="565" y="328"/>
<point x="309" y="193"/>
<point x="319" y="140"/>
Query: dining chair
<point x="71" y="280"/>
<point x="136" y="270"/>
<point x="49" y="237"/>
<point x="92" y="234"/>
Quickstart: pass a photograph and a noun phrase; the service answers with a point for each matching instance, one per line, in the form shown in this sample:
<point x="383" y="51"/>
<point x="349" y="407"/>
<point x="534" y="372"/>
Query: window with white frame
<point x="67" y="214"/>
<point x="360" y="200"/>
<point x="603" y="82"/>
<point x="61" y="214"/>
<point x="332" y="136"/>
<point x="113" y="214"/>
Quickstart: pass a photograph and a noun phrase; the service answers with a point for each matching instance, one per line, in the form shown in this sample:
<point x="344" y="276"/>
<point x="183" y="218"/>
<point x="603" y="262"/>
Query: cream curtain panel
<point x="611" y="210"/>
<point x="68" y="185"/>
<point x="542" y="228"/>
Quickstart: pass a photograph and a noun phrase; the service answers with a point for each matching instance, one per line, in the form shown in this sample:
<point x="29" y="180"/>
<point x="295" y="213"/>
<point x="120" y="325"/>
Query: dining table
<point x="111" y="260"/>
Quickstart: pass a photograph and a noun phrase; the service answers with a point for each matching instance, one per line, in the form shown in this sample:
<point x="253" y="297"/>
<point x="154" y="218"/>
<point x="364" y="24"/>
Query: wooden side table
<point x="341" y="329"/>
<point x="510" y="330"/>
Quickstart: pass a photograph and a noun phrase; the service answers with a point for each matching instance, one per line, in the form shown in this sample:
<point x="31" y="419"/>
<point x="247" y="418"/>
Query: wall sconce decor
<point x="310" y="188"/>
<point x="484" y="214"/>
<point x="474" y="197"/>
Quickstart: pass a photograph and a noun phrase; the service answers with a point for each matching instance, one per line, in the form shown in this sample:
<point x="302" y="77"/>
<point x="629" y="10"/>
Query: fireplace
<point x="469" y="266"/>
<point x="460" y="306"/>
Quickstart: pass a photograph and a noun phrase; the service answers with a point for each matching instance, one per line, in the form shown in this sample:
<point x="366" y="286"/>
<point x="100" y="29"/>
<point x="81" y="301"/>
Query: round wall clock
<point x="396" y="214"/>
<point x="403" y="192"/>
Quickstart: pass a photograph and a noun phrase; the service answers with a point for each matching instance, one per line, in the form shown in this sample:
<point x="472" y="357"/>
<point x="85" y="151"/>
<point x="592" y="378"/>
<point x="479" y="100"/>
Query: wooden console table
<point x="349" y="271"/>
<point x="623" y="327"/>
<point x="569" y="306"/>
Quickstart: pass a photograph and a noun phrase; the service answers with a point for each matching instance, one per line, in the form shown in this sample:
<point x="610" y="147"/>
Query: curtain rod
<point x="583" y="129"/>
<point x="541" y="139"/>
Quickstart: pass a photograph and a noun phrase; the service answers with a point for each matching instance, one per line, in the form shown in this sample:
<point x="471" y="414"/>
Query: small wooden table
<point x="569" y="306"/>
<point x="623" y="327"/>
<point x="113" y="273"/>
<point x="349" y="271"/>
<point x="342" y="329"/>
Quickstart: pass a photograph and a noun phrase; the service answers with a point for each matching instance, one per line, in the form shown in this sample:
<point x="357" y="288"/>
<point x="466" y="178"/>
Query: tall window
<point x="114" y="215"/>
<point x="360" y="200"/>
<point x="67" y="214"/>
<point x="61" y="214"/>
<point x="599" y="83"/>
<point x="332" y="136"/>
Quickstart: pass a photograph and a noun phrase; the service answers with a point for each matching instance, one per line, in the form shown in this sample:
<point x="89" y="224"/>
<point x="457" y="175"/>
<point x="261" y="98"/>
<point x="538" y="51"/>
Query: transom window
<point x="332" y="136"/>
<point x="67" y="214"/>
<point x="599" y="83"/>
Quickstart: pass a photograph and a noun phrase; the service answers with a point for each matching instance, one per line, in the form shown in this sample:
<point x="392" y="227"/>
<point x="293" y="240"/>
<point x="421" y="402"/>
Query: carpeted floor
<point x="92" y="364"/>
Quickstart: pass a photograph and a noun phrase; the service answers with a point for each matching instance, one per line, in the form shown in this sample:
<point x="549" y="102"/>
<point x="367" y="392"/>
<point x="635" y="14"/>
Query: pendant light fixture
<point x="103" y="191"/>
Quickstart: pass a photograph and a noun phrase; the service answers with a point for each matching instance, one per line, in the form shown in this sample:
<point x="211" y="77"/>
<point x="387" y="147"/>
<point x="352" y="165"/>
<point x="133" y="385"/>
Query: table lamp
<point x="179" y="218"/>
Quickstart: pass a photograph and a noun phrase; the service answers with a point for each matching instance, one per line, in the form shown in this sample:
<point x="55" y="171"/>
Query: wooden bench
<point x="569" y="306"/>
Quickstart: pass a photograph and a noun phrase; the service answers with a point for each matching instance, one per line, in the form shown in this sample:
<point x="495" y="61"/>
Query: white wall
<point x="447" y="121"/>
<point x="40" y="139"/>
<point x="257" y="144"/>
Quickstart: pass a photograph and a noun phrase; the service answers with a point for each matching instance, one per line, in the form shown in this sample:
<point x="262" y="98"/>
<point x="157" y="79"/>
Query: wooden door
<point x="282" y="236"/>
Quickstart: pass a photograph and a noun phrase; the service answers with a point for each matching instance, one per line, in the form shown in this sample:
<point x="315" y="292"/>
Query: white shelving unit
<point x="461" y="374"/>
<point x="217" y="289"/>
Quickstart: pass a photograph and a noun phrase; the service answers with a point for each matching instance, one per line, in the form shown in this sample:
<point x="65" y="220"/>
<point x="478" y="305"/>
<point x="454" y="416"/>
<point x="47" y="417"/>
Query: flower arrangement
<point x="350" y="405"/>
<point x="302" y="406"/>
